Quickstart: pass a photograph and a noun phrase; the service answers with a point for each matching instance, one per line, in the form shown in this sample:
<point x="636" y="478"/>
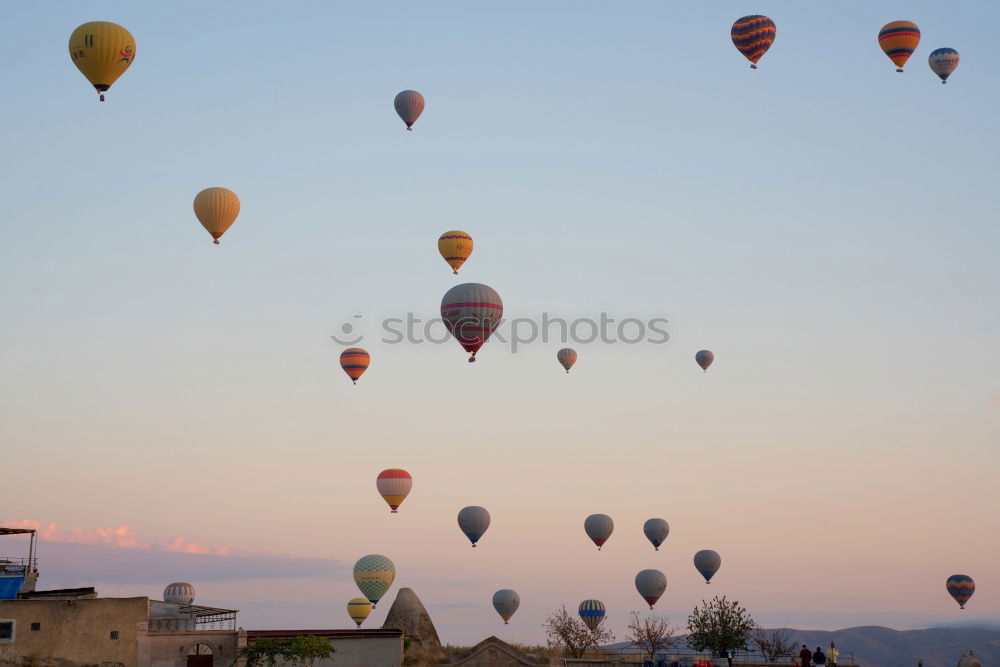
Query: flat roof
<point x="15" y="531"/>
<point x="200" y="611"/>
<point x="333" y="634"/>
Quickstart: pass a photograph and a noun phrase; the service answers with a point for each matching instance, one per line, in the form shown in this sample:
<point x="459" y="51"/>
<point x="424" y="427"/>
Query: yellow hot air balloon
<point x="102" y="51"/>
<point x="455" y="247"/>
<point x="358" y="609"/>
<point x="216" y="209"/>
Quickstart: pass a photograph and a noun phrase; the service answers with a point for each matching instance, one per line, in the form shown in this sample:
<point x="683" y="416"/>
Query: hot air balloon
<point x="961" y="587"/>
<point x="656" y="531"/>
<point x="455" y="247"/>
<point x="708" y="563"/>
<point x="753" y="36"/>
<point x="473" y="521"/>
<point x="394" y="485"/>
<point x="943" y="62"/>
<point x="592" y="613"/>
<point x="506" y="602"/>
<point x="358" y="609"/>
<point x="899" y="39"/>
<point x="409" y="105"/>
<point x="374" y="575"/>
<point x="471" y="312"/>
<point x="599" y="528"/>
<point x="650" y="584"/>
<point x="102" y="52"/>
<point x="704" y="358"/>
<point x="566" y="357"/>
<point x="179" y="593"/>
<point x="355" y="362"/>
<point x="216" y="209"/>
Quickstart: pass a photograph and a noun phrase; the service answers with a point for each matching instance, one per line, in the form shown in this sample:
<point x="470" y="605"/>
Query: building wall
<point x="378" y="649"/>
<point x="77" y="631"/>
<point x="171" y="649"/>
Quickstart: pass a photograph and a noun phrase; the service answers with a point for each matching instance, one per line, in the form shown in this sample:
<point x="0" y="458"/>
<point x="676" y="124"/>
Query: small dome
<point x="179" y="593"/>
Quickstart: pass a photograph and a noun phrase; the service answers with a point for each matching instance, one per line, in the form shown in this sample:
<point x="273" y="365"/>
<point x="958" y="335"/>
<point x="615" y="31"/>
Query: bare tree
<point x="569" y="632"/>
<point x="651" y="634"/>
<point x="774" y="644"/>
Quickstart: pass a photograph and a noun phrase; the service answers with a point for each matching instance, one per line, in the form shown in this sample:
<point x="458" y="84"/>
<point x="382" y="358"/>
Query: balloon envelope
<point x="455" y="247"/>
<point x="708" y="563"/>
<point x="358" y="609"/>
<point x="651" y="584"/>
<point x="216" y="209"/>
<point x="599" y="528"/>
<point x="961" y="587"/>
<point x="471" y="311"/>
<point x="473" y="521"/>
<point x="899" y="39"/>
<point x="704" y="358"/>
<point x="374" y="574"/>
<point x="179" y="592"/>
<point x="753" y="35"/>
<point x="355" y="362"/>
<point x="943" y="62"/>
<point x="592" y="613"/>
<point x="102" y="51"/>
<point x="506" y="602"/>
<point x="394" y="485"/>
<point x="409" y="105"/>
<point x="656" y="531"/>
<point x="566" y="357"/>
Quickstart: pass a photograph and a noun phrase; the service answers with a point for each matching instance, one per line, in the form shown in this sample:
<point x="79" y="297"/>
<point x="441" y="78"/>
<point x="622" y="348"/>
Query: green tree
<point x="720" y="625"/>
<point x="299" y="650"/>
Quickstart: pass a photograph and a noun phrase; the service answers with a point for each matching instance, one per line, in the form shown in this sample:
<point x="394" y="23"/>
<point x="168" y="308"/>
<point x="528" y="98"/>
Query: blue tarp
<point x="9" y="586"/>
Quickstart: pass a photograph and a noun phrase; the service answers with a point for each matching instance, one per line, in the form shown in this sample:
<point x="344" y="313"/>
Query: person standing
<point x="832" y="655"/>
<point x="729" y="657"/>
<point x="805" y="655"/>
<point x="819" y="658"/>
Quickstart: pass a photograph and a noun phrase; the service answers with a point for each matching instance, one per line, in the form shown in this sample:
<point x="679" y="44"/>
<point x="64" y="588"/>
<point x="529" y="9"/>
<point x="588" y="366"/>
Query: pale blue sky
<point x="825" y="225"/>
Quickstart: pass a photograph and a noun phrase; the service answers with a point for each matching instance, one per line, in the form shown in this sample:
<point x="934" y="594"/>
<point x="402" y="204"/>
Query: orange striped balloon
<point x="355" y="362"/>
<point x="899" y="39"/>
<point x="394" y="485"/>
<point x="455" y="246"/>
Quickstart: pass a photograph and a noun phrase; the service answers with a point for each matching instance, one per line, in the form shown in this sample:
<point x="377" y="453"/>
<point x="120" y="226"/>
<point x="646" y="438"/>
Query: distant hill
<point x="875" y="646"/>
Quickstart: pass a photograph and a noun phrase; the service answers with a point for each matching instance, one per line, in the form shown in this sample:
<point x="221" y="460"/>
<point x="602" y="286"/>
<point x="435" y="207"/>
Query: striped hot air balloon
<point x="592" y="613"/>
<point x="566" y="357"/>
<point x="409" y="105"/>
<point x="651" y="584"/>
<point x="753" y="36"/>
<point x="707" y="562"/>
<point x="394" y="485"/>
<point x="704" y="358"/>
<point x="358" y="609"/>
<point x="455" y="247"/>
<point x="506" y="602"/>
<point x="943" y="62"/>
<point x="179" y="593"/>
<point x="374" y="575"/>
<point x="355" y="362"/>
<point x="961" y="587"/>
<point x="471" y="311"/>
<point x="899" y="39"/>
<point x="473" y="521"/>
<point x="656" y="531"/>
<point x="599" y="528"/>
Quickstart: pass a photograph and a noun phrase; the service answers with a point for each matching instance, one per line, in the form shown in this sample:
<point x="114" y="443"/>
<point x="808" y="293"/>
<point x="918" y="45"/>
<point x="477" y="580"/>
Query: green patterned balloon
<point x="374" y="575"/>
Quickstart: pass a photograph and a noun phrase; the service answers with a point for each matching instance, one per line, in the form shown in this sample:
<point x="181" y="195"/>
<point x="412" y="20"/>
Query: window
<point x="6" y="631"/>
<point x="35" y="627"/>
<point x="114" y="634"/>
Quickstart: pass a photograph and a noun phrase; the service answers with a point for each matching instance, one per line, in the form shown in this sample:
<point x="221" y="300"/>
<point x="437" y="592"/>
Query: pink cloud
<point x="122" y="536"/>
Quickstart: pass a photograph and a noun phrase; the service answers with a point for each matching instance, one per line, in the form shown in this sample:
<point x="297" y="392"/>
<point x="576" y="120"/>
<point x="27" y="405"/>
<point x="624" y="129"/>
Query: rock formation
<point x="969" y="660"/>
<point x="407" y="613"/>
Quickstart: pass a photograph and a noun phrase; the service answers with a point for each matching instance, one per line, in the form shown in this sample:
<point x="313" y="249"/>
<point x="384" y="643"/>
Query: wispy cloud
<point x="79" y="556"/>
